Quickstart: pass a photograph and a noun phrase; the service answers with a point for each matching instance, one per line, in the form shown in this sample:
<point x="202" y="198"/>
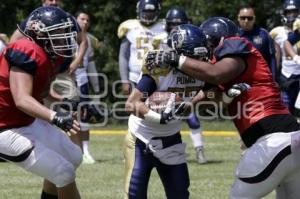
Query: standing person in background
<point x="258" y="36"/>
<point x="174" y="17"/>
<point x="83" y="20"/>
<point x="290" y="72"/>
<point x="137" y="36"/>
<point x="64" y="85"/>
<point x="28" y="137"/>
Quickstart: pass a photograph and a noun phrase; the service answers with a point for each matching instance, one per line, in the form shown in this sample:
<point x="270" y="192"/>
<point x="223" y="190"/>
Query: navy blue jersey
<point x="262" y="41"/>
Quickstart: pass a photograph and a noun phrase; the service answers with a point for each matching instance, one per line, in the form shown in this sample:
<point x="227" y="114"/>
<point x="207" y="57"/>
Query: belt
<point x="166" y="141"/>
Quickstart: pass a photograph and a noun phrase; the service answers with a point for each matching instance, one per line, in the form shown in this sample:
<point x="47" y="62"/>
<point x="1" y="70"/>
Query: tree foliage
<point x="107" y="15"/>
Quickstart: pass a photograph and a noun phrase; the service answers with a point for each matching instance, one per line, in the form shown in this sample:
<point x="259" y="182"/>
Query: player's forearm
<point x="124" y="60"/>
<point x="32" y="107"/>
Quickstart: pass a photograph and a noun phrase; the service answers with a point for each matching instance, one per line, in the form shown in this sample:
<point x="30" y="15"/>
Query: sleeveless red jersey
<point x="263" y="98"/>
<point x="31" y="58"/>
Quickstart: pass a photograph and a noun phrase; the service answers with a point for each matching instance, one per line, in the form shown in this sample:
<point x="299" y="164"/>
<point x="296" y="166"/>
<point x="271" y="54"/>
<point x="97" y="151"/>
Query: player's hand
<point x="296" y="59"/>
<point x="237" y="89"/>
<point x="161" y="59"/>
<point x="65" y="121"/>
<point x="182" y="109"/>
<point x="73" y="66"/>
<point x="166" y="117"/>
<point x="70" y="104"/>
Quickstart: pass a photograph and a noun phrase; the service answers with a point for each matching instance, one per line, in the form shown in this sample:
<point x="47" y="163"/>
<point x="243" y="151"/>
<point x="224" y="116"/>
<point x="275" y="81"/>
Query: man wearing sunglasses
<point x="258" y="36"/>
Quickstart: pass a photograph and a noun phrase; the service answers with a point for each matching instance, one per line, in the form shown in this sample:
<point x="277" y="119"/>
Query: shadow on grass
<point x="207" y="163"/>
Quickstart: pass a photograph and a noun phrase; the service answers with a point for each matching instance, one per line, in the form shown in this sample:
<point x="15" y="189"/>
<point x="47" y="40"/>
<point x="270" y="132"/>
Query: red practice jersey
<point x="263" y="98"/>
<point x="32" y="59"/>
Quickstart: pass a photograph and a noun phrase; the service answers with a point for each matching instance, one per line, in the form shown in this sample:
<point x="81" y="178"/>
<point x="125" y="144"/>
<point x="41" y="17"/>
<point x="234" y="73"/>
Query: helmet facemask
<point x="57" y="39"/>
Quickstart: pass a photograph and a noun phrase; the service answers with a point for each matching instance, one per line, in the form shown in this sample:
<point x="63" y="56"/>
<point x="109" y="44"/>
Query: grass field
<point x="104" y="180"/>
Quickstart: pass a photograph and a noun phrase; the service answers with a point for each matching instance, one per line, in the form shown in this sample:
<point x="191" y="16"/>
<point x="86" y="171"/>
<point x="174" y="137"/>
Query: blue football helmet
<point x="217" y="27"/>
<point x="148" y="11"/>
<point x="175" y="16"/>
<point x="290" y="11"/>
<point x="190" y="41"/>
<point x="53" y="29"/>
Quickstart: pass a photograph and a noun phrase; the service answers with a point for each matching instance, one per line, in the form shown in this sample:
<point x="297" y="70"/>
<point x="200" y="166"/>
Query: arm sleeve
<point x="232" y="47"/>
<point x="124" y="55"/>
<point x="21" y="60"/>
<point x="146" y="85"/>
<point x="294" y="37"/>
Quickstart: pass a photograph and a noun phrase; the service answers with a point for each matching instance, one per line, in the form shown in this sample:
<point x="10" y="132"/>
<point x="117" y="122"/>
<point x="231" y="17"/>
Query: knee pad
<point x="193" y="121"/>
<point x="63" y="174"/>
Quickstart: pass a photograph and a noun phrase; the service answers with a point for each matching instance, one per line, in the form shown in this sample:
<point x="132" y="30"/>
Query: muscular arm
<point x="223" y="71"/>
<point x="16" y="36"/>
<point x="135" y="104"/>
<point x="83" y="44"/>
<point x="21" y="85"/>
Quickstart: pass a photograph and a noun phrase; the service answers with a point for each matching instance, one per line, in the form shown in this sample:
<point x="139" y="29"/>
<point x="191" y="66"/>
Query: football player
<point x="153" y="139"/>
<point x="28" y="137"/>
<point x="266" y="127"/>
<point x="137" y="37"/>
<point x="174" y="17"/>
<point x="289" y="73"/>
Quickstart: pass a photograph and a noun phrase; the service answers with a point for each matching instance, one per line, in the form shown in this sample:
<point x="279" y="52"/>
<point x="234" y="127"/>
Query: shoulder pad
<point x="94" y="41"/>
<point x="157" y="39"/>
<point x="275" y="31"/>
<point x="233" y="46"/>
<point x="126" y="26"/>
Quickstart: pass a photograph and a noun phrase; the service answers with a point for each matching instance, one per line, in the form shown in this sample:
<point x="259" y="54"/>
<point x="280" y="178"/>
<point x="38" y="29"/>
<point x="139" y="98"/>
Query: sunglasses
<point x="249" y="18"/>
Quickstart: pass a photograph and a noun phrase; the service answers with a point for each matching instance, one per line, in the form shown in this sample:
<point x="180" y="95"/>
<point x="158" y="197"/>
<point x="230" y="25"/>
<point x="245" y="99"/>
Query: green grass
<point x="104" y="180"/>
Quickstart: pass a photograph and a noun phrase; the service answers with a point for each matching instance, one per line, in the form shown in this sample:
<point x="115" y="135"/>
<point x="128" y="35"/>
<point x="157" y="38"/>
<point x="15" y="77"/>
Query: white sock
<point x="85" y="147"/>
<point x="196" y="136"/>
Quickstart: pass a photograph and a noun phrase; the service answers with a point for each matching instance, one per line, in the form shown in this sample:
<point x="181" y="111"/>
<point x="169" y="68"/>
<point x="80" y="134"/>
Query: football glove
<point x="161" y="59"/>
<point x="63" y="120"/>
<point x="237" y="89"/>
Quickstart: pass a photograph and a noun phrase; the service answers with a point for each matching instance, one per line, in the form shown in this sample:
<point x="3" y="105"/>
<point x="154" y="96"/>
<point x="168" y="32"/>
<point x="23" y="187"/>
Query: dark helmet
<point x="189" y="40"/>
<point x="53" y="29"/>
<point x="175" y="16"/>
<point x="148" y="11"/>
<point x="290" y="6"/>
<point x="217" y="27"/>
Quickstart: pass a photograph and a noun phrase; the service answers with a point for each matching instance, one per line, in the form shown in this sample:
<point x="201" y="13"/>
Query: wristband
<point x="181" y="61"/>
<point x="152" y="116"/>
<point x="226" y="99"/>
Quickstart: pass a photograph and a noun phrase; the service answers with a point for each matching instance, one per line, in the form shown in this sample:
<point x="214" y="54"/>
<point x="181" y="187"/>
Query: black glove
<point x="181" y="109"/>
<point x="161" y="59"/>
<point x="70" y="104"/>
<point x="166" y="117"/>
<point x="63" y="120"/>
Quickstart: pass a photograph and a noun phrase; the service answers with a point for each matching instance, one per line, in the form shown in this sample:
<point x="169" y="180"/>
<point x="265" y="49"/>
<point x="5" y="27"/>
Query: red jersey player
<point x="28" y="137"/>
<point x="266" y="127"/>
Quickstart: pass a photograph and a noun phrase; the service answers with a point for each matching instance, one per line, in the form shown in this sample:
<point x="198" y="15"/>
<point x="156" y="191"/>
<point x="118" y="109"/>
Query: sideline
<point x="205" y="133"/>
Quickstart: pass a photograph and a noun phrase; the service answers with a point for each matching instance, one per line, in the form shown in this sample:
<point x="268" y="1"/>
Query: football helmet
<point x="216" y="28"/>
<point x="290" y="11"/>
<point x="175" y="16"/>
<point x="190" y="41"/>
<point x="148" y="11"/>
<point x="53" y="29"/>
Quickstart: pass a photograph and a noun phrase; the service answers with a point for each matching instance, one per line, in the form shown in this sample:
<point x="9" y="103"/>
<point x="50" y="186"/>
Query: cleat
<point x="87" y="159"/>
<point x="200" y="155"/>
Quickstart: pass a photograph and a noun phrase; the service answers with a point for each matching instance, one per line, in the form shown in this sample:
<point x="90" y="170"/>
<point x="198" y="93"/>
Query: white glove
<point x="296" y="59"/>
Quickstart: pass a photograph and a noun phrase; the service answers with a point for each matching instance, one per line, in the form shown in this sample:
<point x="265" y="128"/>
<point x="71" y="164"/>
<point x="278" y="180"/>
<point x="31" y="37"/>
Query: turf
<point x="104" y="180"/>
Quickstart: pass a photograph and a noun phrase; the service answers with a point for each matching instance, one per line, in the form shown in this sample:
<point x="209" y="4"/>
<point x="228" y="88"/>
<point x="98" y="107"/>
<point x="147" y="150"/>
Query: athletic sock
<point x="48" y="196"/>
